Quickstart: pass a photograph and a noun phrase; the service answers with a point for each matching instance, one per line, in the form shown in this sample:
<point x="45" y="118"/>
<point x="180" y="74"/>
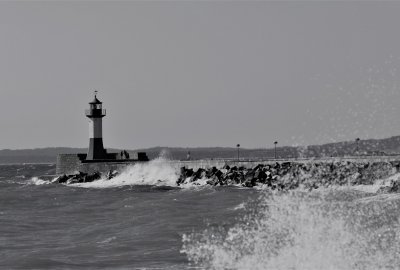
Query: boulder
<point x="111" y="174"/>
<point x="226" y="167"/>
<point x="197" y="175"/>
<point x="213" y="181"/>
<point x="61" y="179"/>
<point x="92" y="177"/>
<point x="393" y="187"/>
<point x="234" y="168"/>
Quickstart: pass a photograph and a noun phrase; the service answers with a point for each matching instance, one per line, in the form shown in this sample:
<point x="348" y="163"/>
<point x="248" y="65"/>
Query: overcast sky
<point x="199" y="73"/>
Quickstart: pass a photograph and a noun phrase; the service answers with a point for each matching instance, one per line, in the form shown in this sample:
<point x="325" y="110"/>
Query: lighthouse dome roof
<point x="95" y="101"/>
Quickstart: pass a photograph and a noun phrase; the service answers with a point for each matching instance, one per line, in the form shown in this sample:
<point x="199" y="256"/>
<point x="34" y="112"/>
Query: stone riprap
<point x="82" y="177"/>
<point x="278" y="175"/>
<point x="291" y="175"/>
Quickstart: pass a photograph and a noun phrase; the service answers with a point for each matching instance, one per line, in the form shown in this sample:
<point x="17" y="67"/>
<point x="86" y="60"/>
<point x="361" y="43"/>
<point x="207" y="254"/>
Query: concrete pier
<point x="247" y="163"/>
<point x="73" y="163"/>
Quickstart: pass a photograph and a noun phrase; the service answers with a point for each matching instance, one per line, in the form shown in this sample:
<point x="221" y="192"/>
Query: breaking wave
<point x="37" y="181"/>
<point x="157" y="172"/>
<point x="304" y="230"/>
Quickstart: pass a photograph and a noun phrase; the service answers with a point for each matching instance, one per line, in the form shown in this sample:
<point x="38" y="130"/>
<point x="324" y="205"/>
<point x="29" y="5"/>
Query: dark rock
<point x="197" y="175"/>
<point x="189" y="172"/>
<point x="213" y="181"/>
<point x="111" y="174"/>
<point x="261" y="176"/>
<point x="91" y="177"/>
<point x="226" y="167"/>
<point x="258" y="167"/>
<point x="61" y="179"/>
<point x="394" y="187"/>
<point x="218" y="174"/>
<point x="211" y="172"/>
<point x="290" y="175"/>
<point x="182" y="176"/>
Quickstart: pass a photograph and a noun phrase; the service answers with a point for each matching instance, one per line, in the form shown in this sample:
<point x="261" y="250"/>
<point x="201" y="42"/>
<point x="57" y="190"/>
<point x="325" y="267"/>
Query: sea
<point x="142" y="220"/>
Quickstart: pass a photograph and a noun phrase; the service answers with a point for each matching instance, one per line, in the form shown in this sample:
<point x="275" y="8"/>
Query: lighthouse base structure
<point x="73" y="163"/>
<point x="96" y="149"/>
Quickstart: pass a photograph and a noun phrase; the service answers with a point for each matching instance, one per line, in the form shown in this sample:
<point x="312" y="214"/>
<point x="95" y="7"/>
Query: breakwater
<point x="290" y="175"/>
<point x="272" y="174"/>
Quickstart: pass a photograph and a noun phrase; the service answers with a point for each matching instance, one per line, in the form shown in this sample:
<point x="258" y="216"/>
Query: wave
<point x="303" y="230"/>
<point x="37" y="181"/>
<point x="157" y="172"/>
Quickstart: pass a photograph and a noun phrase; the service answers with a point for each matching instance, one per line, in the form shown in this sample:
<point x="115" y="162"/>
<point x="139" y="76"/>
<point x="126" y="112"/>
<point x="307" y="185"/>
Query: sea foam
<point x="300" y="231"/>
<point x="157" y="172"/>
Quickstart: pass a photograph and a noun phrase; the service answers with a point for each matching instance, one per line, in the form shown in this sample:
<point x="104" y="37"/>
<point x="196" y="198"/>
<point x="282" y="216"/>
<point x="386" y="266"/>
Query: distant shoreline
<point x="368" y="148"/>
<point x="245" y="160"/>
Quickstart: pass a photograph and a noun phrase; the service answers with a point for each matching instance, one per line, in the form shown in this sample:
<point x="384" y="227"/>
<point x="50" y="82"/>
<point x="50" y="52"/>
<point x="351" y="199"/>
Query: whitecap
<point x="300" y="231"/>
<point x="37" y="181"/>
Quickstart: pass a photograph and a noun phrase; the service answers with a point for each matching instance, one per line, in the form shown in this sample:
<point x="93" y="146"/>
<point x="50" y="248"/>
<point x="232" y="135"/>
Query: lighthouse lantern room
<point x="95" y="115"/>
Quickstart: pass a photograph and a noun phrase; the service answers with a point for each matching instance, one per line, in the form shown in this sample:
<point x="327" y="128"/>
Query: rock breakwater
<point x="291" y="175"/>
<point x="274" y="176"/>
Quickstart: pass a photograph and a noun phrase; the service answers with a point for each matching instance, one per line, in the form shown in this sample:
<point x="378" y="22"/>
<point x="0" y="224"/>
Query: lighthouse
<point x="95" y="114"/>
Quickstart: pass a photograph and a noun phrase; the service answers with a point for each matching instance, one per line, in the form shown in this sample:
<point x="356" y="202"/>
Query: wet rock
<point x="91" y="177"/>
<point x="290" y="175"/>
<point x="261" y="176"/>
<point x="61" y="179"/>
<point x="213" y="181"/>
<point x="393" y="187"/>
<point x="200" y="173"/>
<point x="218" y="174"/>
<point x="76" y="178"/>
<point x="226" y="167"/>
<point x="189" y="172"/>
<point x="111" y="174"/>
<point x="182" y="176"/>
<point x="211" y="172"/>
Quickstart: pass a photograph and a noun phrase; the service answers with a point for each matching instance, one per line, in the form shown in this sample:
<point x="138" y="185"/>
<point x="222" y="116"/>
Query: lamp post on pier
<point x="357" y="146"/>
<point x="275" y="143"/>
<point x="238" y="147"/>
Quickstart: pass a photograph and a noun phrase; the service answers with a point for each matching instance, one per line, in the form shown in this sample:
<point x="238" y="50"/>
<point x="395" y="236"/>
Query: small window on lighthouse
<point x="99" y="106"/>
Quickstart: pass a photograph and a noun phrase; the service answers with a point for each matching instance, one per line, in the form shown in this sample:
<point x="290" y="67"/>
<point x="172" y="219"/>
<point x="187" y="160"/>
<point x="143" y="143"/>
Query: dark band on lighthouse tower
<point x="95" y="115"/>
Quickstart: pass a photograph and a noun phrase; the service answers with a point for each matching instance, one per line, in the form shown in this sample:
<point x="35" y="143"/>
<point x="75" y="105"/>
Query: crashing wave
<point x="157" y="172"/>
<point x="302" y="230"/>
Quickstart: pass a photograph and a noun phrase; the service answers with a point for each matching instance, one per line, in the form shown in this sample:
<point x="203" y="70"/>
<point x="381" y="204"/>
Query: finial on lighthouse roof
<point x="95" y="100"/>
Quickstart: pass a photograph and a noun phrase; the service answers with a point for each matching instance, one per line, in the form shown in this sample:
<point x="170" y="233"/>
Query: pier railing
<point x="272" y="159"/>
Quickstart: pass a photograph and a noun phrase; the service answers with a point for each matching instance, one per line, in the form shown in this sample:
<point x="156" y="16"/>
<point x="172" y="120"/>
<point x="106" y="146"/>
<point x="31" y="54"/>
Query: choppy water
<point x="136" y="221"/>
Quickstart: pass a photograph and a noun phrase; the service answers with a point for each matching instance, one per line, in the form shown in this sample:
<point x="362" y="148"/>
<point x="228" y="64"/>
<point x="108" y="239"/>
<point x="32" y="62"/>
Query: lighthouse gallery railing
<point x="95" y="112"/>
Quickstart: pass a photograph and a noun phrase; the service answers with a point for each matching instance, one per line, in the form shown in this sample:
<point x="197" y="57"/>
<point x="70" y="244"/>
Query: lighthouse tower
<point x="95" y="115"/>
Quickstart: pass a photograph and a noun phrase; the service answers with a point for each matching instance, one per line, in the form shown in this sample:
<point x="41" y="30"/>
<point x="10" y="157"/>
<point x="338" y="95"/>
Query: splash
<point x="158" y="172"/>
<point x="37" y="181"/>
<point x="300" y="231"/>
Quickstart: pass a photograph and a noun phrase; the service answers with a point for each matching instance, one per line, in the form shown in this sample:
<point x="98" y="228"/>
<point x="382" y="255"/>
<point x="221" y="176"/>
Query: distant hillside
<point x="389" y="146"/>
<point x="39" y="155"/>
<point x="372" y="147"/>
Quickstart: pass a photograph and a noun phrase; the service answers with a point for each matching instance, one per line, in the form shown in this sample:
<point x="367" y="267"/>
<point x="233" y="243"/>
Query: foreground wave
<point x="302" y="230"/>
